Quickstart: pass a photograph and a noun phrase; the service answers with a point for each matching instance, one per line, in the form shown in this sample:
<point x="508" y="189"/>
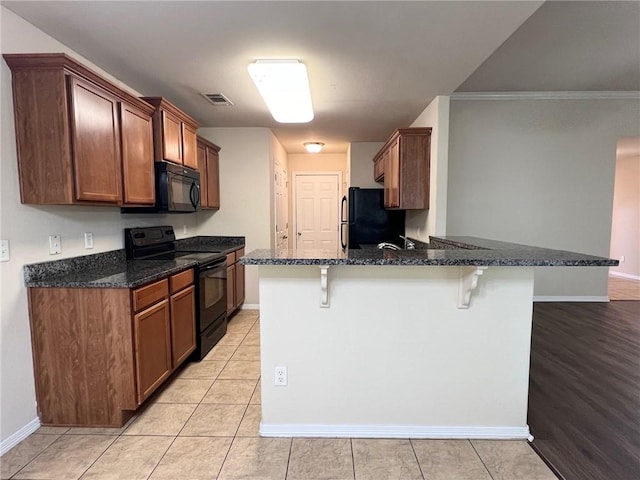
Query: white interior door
<point x="282" y="206"/>
<point x="317" y="204"/>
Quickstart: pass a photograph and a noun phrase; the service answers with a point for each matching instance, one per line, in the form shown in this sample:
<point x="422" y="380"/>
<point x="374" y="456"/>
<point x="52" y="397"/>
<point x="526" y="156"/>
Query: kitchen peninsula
<point x="430" y="343"/>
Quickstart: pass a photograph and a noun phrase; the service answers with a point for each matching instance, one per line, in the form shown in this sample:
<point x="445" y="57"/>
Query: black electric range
<point x="158" y="243"/>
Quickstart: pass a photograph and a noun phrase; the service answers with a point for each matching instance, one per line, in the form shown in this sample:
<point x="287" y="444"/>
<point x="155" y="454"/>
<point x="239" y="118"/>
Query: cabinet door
<point x="231" y="288"/>
<point x="213" y="178"/>
<point x="183" y="325"/>
<point x="378" y="169"/>
<point x="392" y="176"/>
<point x="202" y="166"/>
<point x="153" y="348"/>
<point x="137" y="156"/>
<point x="95" y="136"/>
<point x="239" y="284"/>
<point x="189" y="142"/>
<point x="171" y="137"/>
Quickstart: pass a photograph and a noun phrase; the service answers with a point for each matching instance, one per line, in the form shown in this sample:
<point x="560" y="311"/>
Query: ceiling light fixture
<point x="313" y="147"/>
<point x="284" y="86"/>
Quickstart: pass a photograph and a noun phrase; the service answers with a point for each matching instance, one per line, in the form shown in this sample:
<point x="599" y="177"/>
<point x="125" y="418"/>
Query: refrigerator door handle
<point x="342" y="211"/>
<point x="342" y="239"/>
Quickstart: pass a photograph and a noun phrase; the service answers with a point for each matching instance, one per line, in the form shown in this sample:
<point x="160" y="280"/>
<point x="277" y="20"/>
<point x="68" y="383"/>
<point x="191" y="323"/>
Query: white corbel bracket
<point x="467" y="283"/>
<point x="324" y="286"/>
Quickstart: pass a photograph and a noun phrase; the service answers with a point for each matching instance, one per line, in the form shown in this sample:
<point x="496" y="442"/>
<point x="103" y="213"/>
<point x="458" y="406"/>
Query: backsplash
<point x="35" y="271"/>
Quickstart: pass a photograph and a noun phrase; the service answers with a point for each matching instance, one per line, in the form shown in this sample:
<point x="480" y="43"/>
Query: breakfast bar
<point x="425" y="343"/>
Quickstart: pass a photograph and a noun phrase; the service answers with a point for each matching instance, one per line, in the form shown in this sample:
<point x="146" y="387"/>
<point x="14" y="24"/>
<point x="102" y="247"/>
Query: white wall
<point x="27" y="228"/>
<point x="407" y="364"/>
<point x="245" y="192"/>
<point x="625" y="224"/>
<point x="539" y="172"/>
<point x="361" y="161"/>
<point x="422" y="223"/>
<point x="316" y="162"/>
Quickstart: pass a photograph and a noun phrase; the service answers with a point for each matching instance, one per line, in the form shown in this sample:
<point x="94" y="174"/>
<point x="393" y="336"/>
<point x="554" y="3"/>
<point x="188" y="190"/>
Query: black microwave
<point x="177" y="190"/>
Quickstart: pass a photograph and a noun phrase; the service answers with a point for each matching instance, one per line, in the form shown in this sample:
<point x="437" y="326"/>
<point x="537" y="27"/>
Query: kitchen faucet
<point x="388" y="246"/>
<point x="408" y="244"/>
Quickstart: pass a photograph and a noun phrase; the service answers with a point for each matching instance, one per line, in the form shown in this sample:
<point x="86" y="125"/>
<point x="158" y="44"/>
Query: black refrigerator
<point x="366" y="221"/>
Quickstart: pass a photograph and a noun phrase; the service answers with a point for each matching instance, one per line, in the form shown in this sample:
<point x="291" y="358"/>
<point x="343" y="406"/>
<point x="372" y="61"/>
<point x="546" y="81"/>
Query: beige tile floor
<point x="623" y="288"/>
<point x="204" y="425"/>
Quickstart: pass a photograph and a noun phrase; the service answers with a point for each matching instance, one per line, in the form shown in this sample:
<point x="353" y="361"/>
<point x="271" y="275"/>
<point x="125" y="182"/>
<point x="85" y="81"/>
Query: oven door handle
<point x="213" y="266"/>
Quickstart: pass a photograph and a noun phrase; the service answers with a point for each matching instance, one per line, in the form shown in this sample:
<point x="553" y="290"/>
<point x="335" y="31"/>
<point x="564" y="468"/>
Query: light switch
<point x="4" y="250"/>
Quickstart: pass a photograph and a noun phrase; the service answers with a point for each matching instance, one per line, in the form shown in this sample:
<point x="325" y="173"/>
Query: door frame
<point x="294" y="201"/>
<point x="275" y="204"/>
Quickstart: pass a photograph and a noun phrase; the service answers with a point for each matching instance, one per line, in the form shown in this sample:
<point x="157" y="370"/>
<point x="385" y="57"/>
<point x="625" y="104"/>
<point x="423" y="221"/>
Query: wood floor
<point x="623" y="288"/>
<point x="584" y="399"/>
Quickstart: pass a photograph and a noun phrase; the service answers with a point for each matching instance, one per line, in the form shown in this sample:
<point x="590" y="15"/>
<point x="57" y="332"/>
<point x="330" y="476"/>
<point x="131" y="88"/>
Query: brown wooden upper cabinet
<point x="80" y="139"/>
<point x="403" y="164"/>
<point x="137" y="156"/>
<point x="208" y="164"/>
<point x="174" y="133"/>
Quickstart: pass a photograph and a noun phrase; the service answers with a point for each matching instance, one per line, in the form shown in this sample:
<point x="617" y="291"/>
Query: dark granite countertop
<point x="446" y="251"/>
<point x="209" y="244"/>
<point x="112" y="270"/>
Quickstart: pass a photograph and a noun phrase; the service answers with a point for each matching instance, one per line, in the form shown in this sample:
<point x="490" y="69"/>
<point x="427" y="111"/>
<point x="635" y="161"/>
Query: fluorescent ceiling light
<point x="284" y="86"/>
<point x="313" y="147"/>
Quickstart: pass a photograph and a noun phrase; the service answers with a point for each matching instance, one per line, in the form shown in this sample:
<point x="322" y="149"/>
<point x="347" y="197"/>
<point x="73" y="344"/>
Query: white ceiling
<point x="373" y="66"/>
<point x="567" y="46"/>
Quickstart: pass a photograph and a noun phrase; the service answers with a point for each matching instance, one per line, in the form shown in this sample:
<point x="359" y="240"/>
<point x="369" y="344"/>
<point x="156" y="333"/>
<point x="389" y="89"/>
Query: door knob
<point x="299" y="234"/>
<point x="284" y="237"/>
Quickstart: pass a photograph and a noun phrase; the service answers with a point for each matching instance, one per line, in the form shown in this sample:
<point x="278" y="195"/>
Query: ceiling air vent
<point x="217" y="99"/>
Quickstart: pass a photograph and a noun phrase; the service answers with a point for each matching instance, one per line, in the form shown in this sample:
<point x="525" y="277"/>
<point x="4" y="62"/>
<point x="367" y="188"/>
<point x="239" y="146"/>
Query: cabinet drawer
<point x="231" y="258"/>
<point x="239" y="254"/>
<point x="150" y="294"/>
<point x="181" y="280"/>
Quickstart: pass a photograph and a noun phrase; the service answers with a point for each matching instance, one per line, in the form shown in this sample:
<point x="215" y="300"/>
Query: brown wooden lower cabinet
<point x="100" y="352"/>
<point x="153" y="340"/>
<point x="231" y="291"/>
<point x="183" y="328"/>
<point x="239" y="280"/>
<point x="235" y="281"/>
<point x="82" y="342"/>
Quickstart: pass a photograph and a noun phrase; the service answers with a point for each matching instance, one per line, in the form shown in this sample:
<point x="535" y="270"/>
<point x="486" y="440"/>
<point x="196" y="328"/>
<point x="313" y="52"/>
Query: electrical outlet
<point x="622" y="258"/>
<point x="88" y="240"/>
<point x="4" y="250"/>
<point x="55" y="245"/>
<point x="281" y="376"/>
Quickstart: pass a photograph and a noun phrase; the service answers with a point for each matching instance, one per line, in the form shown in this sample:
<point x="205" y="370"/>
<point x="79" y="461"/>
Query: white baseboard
<point x="394" y="431"/>
<point x="585" y="298"/>
<point x="250" y="306"/>
<point x="11" y="441"/>
<point x="624" y="275"/>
